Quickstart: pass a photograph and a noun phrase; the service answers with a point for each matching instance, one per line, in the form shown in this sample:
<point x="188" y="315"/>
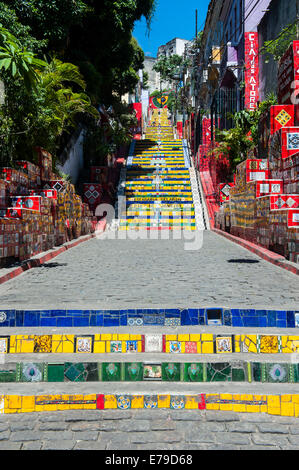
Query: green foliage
<point x="96" y="35"/>
<point x="145" y="84"/>
<point x="18" y="62"/>
<point x="45" y="114"/>
<point x="170" y="67"/>
<point x="276" y="48"/>
<point x="236" y="142"/>
<point x="263" y="107"/>
<point x="233" y="144"/>
<point x="99" y="138"/>
<point x="10" y="21"/>
<point x="96" y="60"/>
<point x="50" y="20"/>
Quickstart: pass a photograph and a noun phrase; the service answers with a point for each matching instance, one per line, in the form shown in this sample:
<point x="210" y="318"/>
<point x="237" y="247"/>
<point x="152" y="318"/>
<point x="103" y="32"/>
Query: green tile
<point x="30" y="372"/>
<point x="111" y="372"/>
<point x="193" y="372"/>
<point x="171" y="372"/>
<point x="219" y="372"/>
<point x="256" y="371"/>
<point x="277" y="372"/>
<point x="81" y="372"/>
<point x="7" y="376"/>
<point x="238" y="375"/>
<point x="292" y="373"/>
<point x="133" y="371"/>
<point x="55" y="373"/>
<point x="296" y="372"/>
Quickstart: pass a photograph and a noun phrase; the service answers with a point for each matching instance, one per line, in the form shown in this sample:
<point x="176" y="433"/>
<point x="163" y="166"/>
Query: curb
<point x="36" y="262"/>
<point x="267" y="255"/>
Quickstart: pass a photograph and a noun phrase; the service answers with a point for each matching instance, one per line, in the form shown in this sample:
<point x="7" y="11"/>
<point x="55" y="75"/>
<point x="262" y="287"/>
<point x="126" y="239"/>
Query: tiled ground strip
<point x="144" y="317"/>
<point x="283" y="405"/>
<point x="240" y="371"/>
<point x="150" y="343"/>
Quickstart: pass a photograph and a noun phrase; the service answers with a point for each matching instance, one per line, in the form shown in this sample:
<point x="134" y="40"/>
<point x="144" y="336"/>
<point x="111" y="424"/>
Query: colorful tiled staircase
<point x="158" y="188"/>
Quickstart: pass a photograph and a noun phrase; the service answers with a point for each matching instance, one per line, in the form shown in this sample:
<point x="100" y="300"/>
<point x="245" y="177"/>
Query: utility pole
<point x="196" y="13"/>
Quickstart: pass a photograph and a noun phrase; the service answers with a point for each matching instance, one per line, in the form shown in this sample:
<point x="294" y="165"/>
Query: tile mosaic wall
<point x="140" y="317"/>
<point x="282" y="405"/>
<point x="101" y="343"/>
<point x="241" y="371"/>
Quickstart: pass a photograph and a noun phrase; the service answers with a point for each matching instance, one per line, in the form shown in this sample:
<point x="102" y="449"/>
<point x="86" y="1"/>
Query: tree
<point x="168" y="67"/>
<point x="18" y="62"/>
<point x="10" y="21"/>
<point x="95" y="35"/>
<point x="49" y="20"/>
<point x="41" y="117"/>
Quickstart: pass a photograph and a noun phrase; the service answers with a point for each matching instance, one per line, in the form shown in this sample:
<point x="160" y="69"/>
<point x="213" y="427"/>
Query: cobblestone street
<point x="148" y="430"/>
<point x="153" y="273"/>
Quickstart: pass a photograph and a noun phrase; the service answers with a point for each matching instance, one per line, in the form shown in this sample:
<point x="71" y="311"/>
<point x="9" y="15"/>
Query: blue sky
<point x="173" y="18"/>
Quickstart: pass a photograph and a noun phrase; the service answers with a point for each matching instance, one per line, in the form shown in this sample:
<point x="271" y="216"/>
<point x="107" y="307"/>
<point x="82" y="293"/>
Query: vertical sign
<point x="251" y="71"/>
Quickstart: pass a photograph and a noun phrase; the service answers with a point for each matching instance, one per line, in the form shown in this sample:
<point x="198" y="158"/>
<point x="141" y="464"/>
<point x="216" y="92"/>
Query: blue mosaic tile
<point x="71" y="313"/>
<point x="193" y="316"/>
<point x="250" y="321"/>
<point x="135" y="321"/>
<point x="235" y="312"/>
<point x="263" y="321"/>
<point x="153" y="319"/>
<point x="123" y="320"/>
<point x="173" y="321"/>
<point x="261" y="313"/>
<point x="237" y="321"/>
<point x="111" y="321"/>
<point x="281" y="315"/>
<point x="92" y="320"/>
<point x="10" y="314"/>
<point x="171" y="313"/>
<point x="99" y="319"/>
<point x="45" y="313"/>
<point x="31" y="319"/>
<point x="64" y="321"/>
<point x="20" y="318"/>
<point x="290" y="319"/>
<point x="227" y="320"/>
<point x="272" y="318"/>
<point x="80" y="321"/>
<point x="185" y="318"/>
<point x="49" y="321"/>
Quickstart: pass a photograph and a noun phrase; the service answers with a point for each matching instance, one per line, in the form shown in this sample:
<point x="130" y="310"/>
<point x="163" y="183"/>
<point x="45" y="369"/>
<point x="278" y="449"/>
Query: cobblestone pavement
<point x="148" y="430"/>
<point x="153" y="273"/>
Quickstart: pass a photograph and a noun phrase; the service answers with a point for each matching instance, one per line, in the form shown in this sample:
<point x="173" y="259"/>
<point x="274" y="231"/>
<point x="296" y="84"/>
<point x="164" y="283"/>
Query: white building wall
<point x="75" y="162"/>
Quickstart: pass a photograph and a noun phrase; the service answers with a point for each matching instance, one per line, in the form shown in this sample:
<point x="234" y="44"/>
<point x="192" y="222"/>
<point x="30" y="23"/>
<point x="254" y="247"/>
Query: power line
<point x="243" y="22"/>
<point x="281" y="34"/>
